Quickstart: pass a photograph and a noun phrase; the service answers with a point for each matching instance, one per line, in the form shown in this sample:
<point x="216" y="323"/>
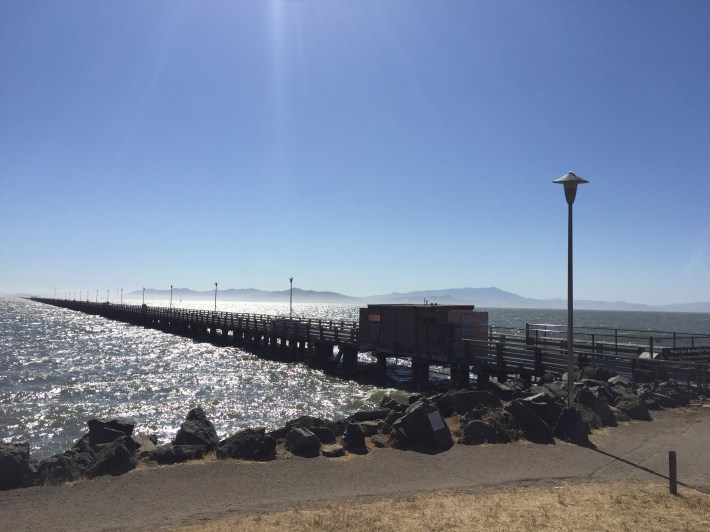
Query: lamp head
<point x="570" y="182"/>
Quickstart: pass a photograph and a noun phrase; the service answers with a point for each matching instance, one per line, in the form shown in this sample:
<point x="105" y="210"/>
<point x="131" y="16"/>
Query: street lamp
<point x="171" y="296"/>
<point x="290" y="301"/>
<point x="215" y="297"/>
<point x="570" y="182"/>
<point x="144" y="296"/>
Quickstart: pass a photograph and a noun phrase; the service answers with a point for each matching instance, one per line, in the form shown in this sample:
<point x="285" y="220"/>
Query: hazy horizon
<point x="484" y="297"/>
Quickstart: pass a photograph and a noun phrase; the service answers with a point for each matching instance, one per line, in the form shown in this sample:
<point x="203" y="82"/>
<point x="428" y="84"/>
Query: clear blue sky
<point x="362" y="147"/>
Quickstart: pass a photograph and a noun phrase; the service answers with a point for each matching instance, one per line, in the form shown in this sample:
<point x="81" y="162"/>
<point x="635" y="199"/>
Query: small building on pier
<point x="425" y="332"/>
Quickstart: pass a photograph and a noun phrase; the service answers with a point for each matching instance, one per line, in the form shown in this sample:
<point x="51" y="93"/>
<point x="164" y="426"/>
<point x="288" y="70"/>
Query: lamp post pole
<point x="144" y="295"/>
<point x="171" y="296"/>
<point x="290" y="300"/>
<point x="215" y="297"/>
<point x="570" y="182"/>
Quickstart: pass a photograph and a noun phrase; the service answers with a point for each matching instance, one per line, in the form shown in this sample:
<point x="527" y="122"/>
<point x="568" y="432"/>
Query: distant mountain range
<point x="248" y="294"/>
<point x="481" y="297"/>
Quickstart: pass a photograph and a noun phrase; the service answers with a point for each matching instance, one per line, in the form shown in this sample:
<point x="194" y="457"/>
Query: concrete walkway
<point x="196" y="492"/>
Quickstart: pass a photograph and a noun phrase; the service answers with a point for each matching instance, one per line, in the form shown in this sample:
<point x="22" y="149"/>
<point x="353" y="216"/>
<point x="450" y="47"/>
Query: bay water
<point x="60" y="368"/>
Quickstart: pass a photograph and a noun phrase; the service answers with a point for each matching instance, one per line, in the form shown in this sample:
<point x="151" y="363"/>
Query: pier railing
<point x="528" y="353"/>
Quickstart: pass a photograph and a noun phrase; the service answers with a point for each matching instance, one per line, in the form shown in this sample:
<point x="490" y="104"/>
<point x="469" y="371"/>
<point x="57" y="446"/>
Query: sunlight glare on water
<point x="61" y="368"/>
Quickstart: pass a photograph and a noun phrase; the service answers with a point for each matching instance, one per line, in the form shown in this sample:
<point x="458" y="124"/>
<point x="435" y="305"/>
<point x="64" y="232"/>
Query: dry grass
<point x="618" y="506"/>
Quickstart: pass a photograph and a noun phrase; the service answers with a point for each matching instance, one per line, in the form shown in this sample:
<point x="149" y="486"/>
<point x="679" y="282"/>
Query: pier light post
<point x="570" y="182"/>
<point x="144" y="295"/>
<point x="290" y="299"/>
<point x="215" y="297"/>
<point x="171" y="296"/>
<point x="107" y="293"/>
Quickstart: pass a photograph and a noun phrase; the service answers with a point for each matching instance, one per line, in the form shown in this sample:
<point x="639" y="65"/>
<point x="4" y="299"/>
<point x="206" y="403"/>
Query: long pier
<point x="528" y="353"/>
<point x="289" y="339"/>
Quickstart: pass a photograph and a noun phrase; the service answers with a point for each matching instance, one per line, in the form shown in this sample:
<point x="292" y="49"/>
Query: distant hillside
<point x="481" y="297"/>
<point x="248" y="294"/>
<point x="496" y="298"/>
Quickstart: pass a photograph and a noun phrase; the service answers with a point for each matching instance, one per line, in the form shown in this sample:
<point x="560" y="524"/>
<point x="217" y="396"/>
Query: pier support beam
<point x="322" y="351"/>
<point x="381" y="367"/>
<point x="420" y="370"/>
<point x="349" y="357"/>
<point x="460" y="376"/>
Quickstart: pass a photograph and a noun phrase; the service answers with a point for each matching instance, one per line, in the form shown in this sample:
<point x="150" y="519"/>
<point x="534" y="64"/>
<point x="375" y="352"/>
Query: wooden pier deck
<point x="527" y="353"/>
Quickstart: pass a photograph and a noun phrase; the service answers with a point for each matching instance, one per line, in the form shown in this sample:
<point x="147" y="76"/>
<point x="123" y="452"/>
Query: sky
<point x="362" y="147"/>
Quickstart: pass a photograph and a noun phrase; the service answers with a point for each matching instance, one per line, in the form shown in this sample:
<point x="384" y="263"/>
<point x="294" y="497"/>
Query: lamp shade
<point x="570" y="181"/>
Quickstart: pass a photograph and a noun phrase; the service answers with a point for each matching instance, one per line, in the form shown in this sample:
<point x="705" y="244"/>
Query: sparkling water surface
<point x="59" y="368"/>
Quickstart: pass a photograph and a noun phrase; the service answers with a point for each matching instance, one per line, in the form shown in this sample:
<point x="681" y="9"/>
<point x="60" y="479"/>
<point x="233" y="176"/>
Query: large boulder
<point x="197" y="430"/>
<point x="500" y="389"/>
<point x="462" y="401"/>
<point x="69" y="465"/>
<point x="58" y="469"/>
<point x="354" y="438"/>
<point x="604" y="393"/>
<point x="325" y="435"/>
<point x="391" y="403"/>
<point x="595" y="372"/>
<point x="506" y="427"/>
<point x="675" y="392"/>
<point x="380" y="440"/>
<point x="620" y="416"/>
<point x="302" y="442"/>
<point x="558" y="389"/>
<point x="601" y="408"/>
<point x="570" y="427"/>
<point x="249" y="444"/>
<point x="548" y="377"/>
<point x="422" y="428"/>
<point x="14" y="464"/>
<point x="618" y="379"/>
<point x="544" y="406"/>
<point x="663" y="401"/>
<point x="333" y="450"/>
<point x="371" y="427"/>
<point x="389" y="421"/>
<point x="633" y="407"/>
<point x="534" y="428"/>
<point x="103" y="432"/>
<point x="174" y="454"/>
<point x="590" y="417"/>
<point x="146" y="445"/>
<point x="477" y="431"/>
<point x="306" y="422"/>
<point x="116" y="458"/>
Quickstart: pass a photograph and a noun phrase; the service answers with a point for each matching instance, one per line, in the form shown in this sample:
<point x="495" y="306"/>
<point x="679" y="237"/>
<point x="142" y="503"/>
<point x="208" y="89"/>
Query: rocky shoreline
<point x="495" y="413"/>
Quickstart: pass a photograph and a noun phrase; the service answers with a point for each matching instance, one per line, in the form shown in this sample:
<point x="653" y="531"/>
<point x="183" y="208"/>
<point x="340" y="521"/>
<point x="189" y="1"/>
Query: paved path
<point x="190" y="493"/>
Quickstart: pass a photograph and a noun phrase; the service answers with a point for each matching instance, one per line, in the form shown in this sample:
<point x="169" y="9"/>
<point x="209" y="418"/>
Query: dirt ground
<point x="593" y="507"/>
